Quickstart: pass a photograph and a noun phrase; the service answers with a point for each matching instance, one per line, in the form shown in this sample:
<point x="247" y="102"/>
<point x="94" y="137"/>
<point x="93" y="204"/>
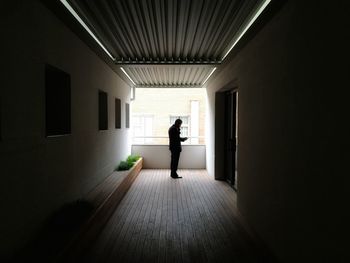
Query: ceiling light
<point x="251" y="21"/>
<point x="209" y="76"/>
<point x="127" y="75"/>
<point x="77" y="17"/>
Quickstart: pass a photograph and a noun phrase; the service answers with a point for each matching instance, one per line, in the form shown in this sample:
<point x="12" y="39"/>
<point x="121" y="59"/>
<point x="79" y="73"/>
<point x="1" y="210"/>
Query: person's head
<point x="178" y="123"/>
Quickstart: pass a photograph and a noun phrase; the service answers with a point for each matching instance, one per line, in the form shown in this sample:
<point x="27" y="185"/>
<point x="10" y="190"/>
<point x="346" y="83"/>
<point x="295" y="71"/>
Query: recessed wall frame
<point x="57" y="102"/>
<point x="117" y="113"/>
<point x="0" y="118"/>
<point x="102" y="110"/>
<point x="127" y="115"/>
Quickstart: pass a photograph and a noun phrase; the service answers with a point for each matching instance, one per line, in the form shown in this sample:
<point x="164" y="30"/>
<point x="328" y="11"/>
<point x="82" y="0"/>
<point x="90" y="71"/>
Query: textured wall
<point x="39" y="174"/>
<point x="292" y="140"/>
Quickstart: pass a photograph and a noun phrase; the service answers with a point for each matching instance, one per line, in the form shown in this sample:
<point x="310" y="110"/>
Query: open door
<point x="230" y="160"/>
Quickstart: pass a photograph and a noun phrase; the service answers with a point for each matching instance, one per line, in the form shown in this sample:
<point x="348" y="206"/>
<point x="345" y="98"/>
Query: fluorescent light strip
<point x="258" y="12"/>
<point x="77" y="17"/>
<point x="208" y="76"/>
<point x="127" y="75"/>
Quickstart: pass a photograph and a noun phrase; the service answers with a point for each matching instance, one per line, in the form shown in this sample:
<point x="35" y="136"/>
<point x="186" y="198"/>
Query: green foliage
<point x="126" y="165"/>
<point x="123" y="166"/>
<point x="132" y="158"/>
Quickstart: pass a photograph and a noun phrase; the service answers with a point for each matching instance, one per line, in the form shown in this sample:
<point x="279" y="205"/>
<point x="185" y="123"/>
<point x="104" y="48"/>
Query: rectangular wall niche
<point x="0" y="119"/>
<point x="127" y="115"/>
<point x="102" y="110"/>
<point x="118" y="113"/>
<point x="57" y="101"/>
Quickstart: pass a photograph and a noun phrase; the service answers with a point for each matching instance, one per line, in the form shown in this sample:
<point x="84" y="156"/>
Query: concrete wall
<point x="292" y="140"/>
<point x="158" y="156"/>
<point x="39" y="174"/>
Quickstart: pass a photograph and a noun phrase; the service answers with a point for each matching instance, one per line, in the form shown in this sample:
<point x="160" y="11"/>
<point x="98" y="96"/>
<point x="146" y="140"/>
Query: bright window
<point x="142" y="127"/>
<point x="165" y="105"/>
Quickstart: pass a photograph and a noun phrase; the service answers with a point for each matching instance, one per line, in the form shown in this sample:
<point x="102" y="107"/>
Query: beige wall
<point x="39" y="174"/>
<point x="292" y="142"/>
<point x="161" y="103"/>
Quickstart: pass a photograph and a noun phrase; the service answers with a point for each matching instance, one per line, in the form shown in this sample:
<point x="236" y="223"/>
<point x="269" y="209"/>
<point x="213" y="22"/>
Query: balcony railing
<point x="158" y="156"/>
<point x="164" y="140"/>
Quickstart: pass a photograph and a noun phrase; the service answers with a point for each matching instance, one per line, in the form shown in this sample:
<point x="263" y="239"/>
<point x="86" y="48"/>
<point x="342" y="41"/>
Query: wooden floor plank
<point x="221" y="204"/>
<point x="184" y="227"/>
<point x="183" y="220"/>
<point x="216" y="233"/>
<point x="131" y="231"/>
<point x="145" y="240"/>
<point x="200" y="223"/>
<point x="151" y="250"/>
<point x="136" y="226"/>
<point x="117" y="227"/>
<point x="197" y="247"/>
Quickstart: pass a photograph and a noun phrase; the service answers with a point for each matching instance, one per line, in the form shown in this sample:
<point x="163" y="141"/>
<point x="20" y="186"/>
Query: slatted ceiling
<point x="165" y="30"/>
<point x="168" y="76"/>
<point x="167" y="42"/>
<point x="96" y="24"/>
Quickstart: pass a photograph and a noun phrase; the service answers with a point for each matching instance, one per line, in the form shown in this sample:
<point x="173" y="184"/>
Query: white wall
<point x="292" y="141"/>
<point x="158" y="156"/>
<point x="210" y="132"/>
<point x="39" y="174"/>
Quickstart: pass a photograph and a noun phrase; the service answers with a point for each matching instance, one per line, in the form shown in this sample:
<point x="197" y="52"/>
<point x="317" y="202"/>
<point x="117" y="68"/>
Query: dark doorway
<point x="230" y="134"/>
<point x="226" y="123"/>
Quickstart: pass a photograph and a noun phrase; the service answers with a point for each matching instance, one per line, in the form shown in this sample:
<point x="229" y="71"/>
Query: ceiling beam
<point x="152" y="62"/>
<point x="169" y="86"/>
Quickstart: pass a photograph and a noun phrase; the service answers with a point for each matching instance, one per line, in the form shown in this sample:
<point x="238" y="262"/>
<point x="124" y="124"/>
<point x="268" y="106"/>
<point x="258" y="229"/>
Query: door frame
<point x="220" y="130"/>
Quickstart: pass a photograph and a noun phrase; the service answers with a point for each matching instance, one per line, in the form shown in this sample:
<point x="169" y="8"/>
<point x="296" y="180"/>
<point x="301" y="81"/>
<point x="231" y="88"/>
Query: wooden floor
<point x="174" y="220"/>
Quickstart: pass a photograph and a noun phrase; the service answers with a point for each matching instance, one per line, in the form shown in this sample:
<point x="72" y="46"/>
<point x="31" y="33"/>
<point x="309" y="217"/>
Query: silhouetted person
<point x="175" y="146"/>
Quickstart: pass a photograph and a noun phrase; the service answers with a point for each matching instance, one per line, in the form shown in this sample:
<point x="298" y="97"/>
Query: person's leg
<point x="175" y="155"/>
<point x="172" y="164"/>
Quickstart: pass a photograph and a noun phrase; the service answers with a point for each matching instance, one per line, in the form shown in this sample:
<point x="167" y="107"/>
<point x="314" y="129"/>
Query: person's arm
<point x="183" y="139"/>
